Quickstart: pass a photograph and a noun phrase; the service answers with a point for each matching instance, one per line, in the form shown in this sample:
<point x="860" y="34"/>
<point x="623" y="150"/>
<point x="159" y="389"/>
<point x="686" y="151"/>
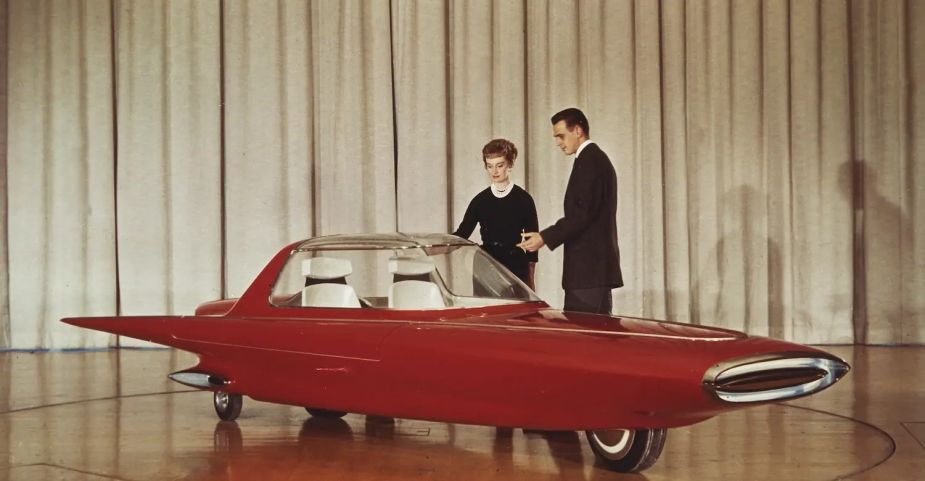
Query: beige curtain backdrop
<point x="60" y="223"/>
<point x="4" y="250"/>
<point x="168" y="157"/>
<point x="769" y="153"/>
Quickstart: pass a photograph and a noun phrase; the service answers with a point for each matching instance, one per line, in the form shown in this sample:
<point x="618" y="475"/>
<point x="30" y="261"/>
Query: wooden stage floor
<point x="113" y="415"/>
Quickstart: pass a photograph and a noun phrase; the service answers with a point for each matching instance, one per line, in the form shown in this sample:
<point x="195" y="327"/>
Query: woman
<point x="503" y="211"/>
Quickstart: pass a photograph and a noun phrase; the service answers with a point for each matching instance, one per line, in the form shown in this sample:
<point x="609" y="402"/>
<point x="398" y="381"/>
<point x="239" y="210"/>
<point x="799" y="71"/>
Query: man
<point x="591" y="268"/>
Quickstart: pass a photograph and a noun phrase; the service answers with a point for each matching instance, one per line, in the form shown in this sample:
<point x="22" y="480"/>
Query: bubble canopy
<point x="395" y="271"/>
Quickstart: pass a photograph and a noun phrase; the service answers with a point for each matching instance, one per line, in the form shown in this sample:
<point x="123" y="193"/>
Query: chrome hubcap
<point x="615" y="443"/>
<point x="221" y="400"/>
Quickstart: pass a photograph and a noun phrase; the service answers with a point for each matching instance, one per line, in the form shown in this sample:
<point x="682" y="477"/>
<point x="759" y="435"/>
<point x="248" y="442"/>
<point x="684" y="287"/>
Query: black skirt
<point x="511" y="256"/>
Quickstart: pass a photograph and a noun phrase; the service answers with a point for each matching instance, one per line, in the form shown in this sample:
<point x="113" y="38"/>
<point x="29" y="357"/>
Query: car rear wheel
<point x="227" y="405"/>
<point x="325" y="413"/>
<point x="627" y="450"/>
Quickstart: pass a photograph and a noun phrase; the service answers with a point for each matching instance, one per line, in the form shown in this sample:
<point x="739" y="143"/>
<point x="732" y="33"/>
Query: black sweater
<point x="501" y="222"/>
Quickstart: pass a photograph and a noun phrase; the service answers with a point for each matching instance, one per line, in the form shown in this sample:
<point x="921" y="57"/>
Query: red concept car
<point x="430" y="327"/>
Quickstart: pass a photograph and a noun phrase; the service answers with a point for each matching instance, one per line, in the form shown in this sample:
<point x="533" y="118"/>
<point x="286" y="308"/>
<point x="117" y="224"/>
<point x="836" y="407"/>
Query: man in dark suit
<point x="589" y="228"/>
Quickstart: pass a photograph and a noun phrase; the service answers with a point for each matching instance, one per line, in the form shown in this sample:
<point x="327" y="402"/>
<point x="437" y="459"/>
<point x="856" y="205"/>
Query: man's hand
<point x="532" y="241"/>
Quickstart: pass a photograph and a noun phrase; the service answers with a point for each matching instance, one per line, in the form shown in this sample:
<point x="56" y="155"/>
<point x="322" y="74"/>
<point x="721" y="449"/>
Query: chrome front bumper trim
<point x="198" y="379"/>
<point x="773" y="377"/>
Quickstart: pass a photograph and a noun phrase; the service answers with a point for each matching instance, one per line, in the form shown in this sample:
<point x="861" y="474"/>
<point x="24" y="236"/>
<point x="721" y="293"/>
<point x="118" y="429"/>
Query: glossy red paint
<point x="518" y="365"/>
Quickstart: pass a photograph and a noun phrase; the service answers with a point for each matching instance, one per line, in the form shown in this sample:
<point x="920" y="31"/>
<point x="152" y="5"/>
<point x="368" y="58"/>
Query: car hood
<point x="554" y="320"/>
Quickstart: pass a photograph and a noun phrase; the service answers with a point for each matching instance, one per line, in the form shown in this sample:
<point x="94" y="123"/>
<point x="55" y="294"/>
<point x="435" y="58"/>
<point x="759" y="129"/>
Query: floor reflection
<point x="227" y="438"/>
<point x="175" y="435"/>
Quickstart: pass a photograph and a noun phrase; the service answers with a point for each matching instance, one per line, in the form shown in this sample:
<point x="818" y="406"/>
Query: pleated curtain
<point x="769" y="153"/>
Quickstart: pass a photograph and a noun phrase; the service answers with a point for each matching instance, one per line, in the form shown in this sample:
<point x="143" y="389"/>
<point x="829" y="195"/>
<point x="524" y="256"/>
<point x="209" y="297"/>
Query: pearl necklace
<point x="501" y="192"/>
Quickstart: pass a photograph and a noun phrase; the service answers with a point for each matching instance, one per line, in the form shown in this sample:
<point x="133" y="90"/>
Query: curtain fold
<point x="61" y="216"/>
<point x="4" y="250"/>
<point x="822" y="232"/>
<point x="419" y="60"/>
<point x="269" y="134"/>
<point x="888" y="200"/>
<point x="552" y="77"/>
<point x="354" y="183"/>
<point x="673" y="78"/>
<point x="775" y="147"/>
<point x="769" y="153"/>
<point x="912" y="186"/>
<point x="168" y="164"/>
<point x="486" y="69"/>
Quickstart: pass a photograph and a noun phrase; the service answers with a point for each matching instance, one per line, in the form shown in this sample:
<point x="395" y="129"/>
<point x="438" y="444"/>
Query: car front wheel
<point x="325" y="413"/>
<point x="227" y="405"/>
<point x="627" y="450"/>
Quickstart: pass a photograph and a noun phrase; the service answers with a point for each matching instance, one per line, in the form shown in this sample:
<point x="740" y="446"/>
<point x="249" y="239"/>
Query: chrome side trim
<point x="773" y="369"/>
<point x="198" y="379"/>
<point x="574" y="330"/>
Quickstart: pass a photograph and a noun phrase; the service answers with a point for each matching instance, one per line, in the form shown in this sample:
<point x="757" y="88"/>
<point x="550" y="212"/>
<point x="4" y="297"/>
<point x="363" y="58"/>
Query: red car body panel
<point x="518" y="365"/>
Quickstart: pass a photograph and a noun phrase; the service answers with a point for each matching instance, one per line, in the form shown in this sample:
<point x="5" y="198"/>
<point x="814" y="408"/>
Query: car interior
<point x="326" y="283"/>
<point x="388" y="279"/>
<point x="413" y="286"/>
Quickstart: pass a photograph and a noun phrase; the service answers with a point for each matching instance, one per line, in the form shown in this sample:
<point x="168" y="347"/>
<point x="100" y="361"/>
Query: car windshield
<point x="399" y="277"/>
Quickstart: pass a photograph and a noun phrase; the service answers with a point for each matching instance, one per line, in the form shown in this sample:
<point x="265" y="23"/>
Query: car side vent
<point x="774" y="377"/>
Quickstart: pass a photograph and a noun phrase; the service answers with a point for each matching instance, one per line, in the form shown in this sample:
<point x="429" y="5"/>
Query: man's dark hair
<point x="573" y="117"/>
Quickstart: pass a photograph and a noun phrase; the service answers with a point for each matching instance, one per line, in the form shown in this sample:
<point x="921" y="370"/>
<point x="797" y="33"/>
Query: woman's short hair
<point x="500" y="148"/>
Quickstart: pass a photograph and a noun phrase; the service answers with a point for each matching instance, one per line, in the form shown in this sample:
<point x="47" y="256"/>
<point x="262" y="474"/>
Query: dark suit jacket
<point x="589" y="227"/>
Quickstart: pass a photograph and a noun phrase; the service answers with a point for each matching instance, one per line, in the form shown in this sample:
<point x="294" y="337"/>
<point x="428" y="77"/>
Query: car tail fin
<point x="146" y="328"/>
